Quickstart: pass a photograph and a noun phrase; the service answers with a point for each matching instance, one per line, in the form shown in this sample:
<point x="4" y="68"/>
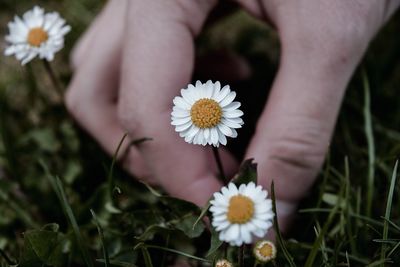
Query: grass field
<point x="63" y="202"/>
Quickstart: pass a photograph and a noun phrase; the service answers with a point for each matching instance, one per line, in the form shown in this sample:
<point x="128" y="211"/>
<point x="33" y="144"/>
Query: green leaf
<point x="44" y="138"/>
<point x="179" y="207"/>
<point x="186" y="226"/>
<point x="152" y="230"/>
<point x="215" y="243"/>
<point x="247" y="173"/>
<point x="42" y="247"/>
<point x="203" y="212"/>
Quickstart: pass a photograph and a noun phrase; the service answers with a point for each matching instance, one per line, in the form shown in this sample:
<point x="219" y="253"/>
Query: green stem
<point x="53" y="78"/>
<point x="219" y="164"/>
<point x="240" y="256"/>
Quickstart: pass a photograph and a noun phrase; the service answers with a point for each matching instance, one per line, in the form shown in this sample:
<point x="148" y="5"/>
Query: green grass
<point x="350" y="218"/>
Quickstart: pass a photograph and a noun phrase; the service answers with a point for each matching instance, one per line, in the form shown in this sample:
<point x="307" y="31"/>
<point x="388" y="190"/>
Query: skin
<point x="137" y="55"/>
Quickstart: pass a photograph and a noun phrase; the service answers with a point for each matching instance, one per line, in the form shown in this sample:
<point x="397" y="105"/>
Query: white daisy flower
<point x="223" y="263"/>
<point x="264" y="251"/>
<point x="206" y="114"/>
<point x="36" y="34"/>
<point x="240" y="214"/>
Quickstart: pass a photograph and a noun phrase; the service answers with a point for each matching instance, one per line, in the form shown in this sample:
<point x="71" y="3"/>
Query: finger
<point x="157" y="63"/>
<point x="92" y="94"/>
<point x="100" y="23"/>
<point x="294" y="130"/>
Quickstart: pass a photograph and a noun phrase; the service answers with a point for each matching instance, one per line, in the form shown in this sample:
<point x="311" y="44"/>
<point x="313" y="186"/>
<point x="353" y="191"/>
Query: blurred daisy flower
<point x="36" y="34"/>
<point x="264" y="251"/>
<point x="206" y="114"/>
<point x="238" y="214"/>
<point x="223" y="263"/>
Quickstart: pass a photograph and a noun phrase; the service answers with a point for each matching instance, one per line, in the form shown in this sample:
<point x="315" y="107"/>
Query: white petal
<point x="180" y="113"/>
<point x="233" y="189"/>
<point x="216" y="210"/>
<point x="180" y="121"/>
<point x="180" y="128"/>
<point x="232" y="233"/>
<point x="228" y="99"/>
<point x="230" y="123"/>
<point x="222" y="138"/>
<point x="214" y="135"/>
<point x="233" y="114"/>
<point x="225" y="129"/>
<point x="180" y="102"/>
<point x="245" y="234"/>
<point x="187" y="95"/>
<point x="232" y="106"/>
<point x="223" y="93"/>
<point x="217" y="88"/>
<point x="242" y="189"/>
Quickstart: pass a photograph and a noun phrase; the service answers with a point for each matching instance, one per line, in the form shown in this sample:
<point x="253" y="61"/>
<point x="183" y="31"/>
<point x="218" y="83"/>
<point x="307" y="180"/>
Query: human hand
<point x="138" y="54"/>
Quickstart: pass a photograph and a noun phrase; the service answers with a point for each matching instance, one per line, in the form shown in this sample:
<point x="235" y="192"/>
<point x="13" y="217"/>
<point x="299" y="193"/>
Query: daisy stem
<point x="240" y="256"/>
<point x="219" y="164"/>
<point x="255" y="264"/>
<point x="53" y="78"/>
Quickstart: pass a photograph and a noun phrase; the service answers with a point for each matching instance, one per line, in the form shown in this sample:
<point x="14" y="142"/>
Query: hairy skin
<point x="137" y="55"/>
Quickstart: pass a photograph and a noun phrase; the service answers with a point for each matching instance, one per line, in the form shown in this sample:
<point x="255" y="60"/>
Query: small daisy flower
<point x="36" y="34"/>
<point x="264" y="251"/>
<point x="223" y="263"/>
<point x="240" y="214"/>
<point x="206" y="114"/>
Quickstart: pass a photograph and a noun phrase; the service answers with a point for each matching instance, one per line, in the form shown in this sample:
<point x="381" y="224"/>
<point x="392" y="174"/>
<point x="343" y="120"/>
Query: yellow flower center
<point x="206" y="113"/>
<point x="266" y="250"/>
<point x="37" y="36"/>
<point x="240" y="210"/>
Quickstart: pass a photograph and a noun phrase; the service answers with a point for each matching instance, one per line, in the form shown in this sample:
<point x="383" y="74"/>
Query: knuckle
<point x="195" y="12"/>
<point x="128" y="119"/>
<point x="304" y="151"/>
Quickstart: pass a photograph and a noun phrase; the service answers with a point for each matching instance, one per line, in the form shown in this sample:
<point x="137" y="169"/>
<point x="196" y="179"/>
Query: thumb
<point x="294" y="130"/>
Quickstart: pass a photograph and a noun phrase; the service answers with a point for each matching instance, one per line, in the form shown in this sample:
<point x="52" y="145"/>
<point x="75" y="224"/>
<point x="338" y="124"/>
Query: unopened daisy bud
<point x="205" y="114"/>
<point x="36" y="34"/>
<point x="223" y="263"/>
<point x="240" y="214"/>
<point x="264" y="251"/>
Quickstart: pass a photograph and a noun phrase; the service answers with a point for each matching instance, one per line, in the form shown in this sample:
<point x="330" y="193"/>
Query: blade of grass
<point x="313" y="253"/>
<point x="100" y="230"/>
<point x="388" y="211"/>
<point x="394" y="249"/>
<point x="6" y="258"/>
<point x="21" y="213"/>
<point x="279" y="238"/>
<point x="146" y="256"/>
<point x="370" y="143"/>
<point x="347" y="208"/>
<point x="179" y="253"/>
<point x="395" y="226"/>
<point x="110" y="177"/>
<point x="331" y="251"/>
<point x="59" y="190"/>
